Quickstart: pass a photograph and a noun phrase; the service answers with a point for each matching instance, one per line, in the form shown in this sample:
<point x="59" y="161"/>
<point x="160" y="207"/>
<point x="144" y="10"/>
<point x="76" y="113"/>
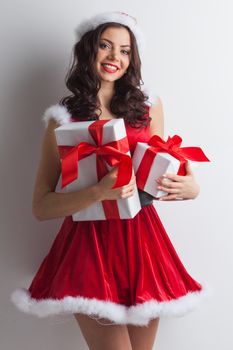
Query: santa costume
<point x="123" y="270"/>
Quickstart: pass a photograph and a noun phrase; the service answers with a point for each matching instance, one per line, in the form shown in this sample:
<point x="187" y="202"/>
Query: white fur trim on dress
<point x="57" y="112"/>
<point x="153" y="97"/>
<point x="62" y="116"/>
<point x="139" y="314"/>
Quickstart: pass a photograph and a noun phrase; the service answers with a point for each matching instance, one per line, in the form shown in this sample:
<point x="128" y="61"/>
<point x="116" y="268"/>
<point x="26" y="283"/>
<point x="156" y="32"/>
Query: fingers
<point x="124" y="191"/>
<point x="128" y="189"/>
<point x="169" y="186"/>
<point x="169" y="197"/>
<point x="170" y="190"/>
<point x="173" y="188"/>
<point x="130" y="186"/>
<point x="173" y="177"/>
<point x="127" y="192"/>
<point x="113" y="173"/>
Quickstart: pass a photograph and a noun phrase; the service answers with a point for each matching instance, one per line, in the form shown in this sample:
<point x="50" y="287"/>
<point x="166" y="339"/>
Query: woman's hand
<point x="179" y="187"/>
<point x="104" y="187"/>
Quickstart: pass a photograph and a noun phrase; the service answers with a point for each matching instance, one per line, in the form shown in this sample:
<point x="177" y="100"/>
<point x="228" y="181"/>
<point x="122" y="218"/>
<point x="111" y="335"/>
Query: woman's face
<point x="113" y="56"/>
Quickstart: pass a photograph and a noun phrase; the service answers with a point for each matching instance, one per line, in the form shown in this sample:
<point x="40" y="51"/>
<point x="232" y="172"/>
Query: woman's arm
<point x="178" y="187"/>
<point x="46" y="203"/>
<point x="157" y="121"/>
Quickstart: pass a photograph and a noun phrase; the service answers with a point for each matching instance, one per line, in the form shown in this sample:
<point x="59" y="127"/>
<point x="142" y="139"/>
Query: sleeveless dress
<point x="126" y="271"/>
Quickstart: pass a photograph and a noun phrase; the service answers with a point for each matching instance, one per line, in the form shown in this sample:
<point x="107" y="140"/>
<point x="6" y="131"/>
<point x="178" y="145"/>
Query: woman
<point x="124" y="274"/>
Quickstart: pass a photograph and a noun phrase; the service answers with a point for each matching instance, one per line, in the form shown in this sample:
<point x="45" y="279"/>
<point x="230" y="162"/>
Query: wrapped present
<point x="88" y="151"/>
<point x="157" y="157"/>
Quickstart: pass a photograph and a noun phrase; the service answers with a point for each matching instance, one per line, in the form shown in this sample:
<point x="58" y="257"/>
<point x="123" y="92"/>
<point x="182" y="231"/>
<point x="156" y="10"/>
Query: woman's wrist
<point x="97" y="193"/>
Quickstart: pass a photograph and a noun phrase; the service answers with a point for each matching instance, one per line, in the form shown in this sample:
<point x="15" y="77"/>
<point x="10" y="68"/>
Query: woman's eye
<point x="126" y="52"/>
<point x="103" y="45"/>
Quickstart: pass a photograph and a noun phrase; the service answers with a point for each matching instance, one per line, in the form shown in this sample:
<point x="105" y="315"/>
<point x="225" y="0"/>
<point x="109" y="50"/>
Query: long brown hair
<point x="128" y="101"/>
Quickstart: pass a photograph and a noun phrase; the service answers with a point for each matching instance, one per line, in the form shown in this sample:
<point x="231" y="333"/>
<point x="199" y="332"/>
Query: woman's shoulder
<point x="156" y="113"/>
<point x="57" y="112"/>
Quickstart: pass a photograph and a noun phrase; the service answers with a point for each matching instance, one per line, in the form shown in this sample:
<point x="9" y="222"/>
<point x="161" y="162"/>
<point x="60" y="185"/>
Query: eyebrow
<point x="112" y="42"/>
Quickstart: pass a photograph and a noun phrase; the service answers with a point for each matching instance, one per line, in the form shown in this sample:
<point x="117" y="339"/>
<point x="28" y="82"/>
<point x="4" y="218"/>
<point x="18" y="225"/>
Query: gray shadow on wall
<point x="35" y="88"/>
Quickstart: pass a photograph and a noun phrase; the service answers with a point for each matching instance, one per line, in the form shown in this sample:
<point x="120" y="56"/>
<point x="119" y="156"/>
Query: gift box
<point x="157" y="157"/>
<point x="88" y="151"/>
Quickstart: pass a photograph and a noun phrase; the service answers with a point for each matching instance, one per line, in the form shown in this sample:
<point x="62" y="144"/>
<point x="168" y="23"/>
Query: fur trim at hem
<point x="139" y="314"/>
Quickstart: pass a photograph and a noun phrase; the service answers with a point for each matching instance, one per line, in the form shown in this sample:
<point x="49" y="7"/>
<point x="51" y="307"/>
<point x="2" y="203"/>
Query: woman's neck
<point x="105" y="94"/>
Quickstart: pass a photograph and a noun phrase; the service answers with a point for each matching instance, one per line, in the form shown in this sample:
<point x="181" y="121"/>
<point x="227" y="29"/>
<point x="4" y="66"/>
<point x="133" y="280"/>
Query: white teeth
<point x="110" y="67"/>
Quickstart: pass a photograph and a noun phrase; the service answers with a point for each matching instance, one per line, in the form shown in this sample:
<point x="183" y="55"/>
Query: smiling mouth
<point x="109" y="68"/>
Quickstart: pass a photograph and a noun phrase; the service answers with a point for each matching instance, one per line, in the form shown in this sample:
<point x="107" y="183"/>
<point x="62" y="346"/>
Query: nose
<point x="114" y="54"/>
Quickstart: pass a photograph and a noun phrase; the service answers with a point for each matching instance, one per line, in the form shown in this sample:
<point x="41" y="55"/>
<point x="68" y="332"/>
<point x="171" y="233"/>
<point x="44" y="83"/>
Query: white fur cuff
<point x="58" y="113"/>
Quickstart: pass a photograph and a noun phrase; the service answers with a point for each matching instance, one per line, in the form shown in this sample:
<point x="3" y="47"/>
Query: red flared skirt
<point x="124" y="270"/>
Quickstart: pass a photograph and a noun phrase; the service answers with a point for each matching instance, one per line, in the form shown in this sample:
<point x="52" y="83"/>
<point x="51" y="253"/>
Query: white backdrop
<point x="188" y="63"/>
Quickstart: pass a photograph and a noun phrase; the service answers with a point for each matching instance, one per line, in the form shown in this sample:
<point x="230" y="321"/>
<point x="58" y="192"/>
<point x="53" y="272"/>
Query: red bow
<point x="171" y="146"/>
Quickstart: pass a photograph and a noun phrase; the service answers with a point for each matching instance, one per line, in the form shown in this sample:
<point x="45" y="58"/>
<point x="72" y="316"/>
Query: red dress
<point x="126" y="271"/>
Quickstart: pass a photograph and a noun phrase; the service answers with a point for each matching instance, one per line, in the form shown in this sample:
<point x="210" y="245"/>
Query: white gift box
<point x="162" y="163"/>
<point x="72" y="134"/>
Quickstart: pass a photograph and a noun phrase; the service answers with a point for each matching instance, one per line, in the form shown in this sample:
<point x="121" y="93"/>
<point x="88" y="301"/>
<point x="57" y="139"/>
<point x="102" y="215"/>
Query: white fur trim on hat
<point x="138" y="314"/>
<point x="114" y="16"/>
<point x="57" y="112"/>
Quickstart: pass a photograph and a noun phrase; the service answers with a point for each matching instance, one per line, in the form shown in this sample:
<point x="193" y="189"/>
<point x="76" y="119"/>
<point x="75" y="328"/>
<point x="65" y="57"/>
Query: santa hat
<point x="115" y="16"/>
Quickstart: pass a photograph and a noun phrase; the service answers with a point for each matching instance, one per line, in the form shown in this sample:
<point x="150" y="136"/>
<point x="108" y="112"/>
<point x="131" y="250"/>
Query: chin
<point x="110" y="78"/>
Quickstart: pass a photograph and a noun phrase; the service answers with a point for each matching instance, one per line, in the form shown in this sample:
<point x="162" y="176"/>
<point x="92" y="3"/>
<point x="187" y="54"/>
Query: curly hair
<point x="128" y="101"/>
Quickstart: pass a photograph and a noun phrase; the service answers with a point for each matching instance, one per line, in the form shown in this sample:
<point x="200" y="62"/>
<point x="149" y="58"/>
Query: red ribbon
<point x="112" y="153"/>
<point x="171" y="146"/>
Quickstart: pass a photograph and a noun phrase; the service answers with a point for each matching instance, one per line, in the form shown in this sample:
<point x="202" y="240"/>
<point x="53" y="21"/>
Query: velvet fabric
<point x="119" y="265"/>
<point x="124" y="261"/>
